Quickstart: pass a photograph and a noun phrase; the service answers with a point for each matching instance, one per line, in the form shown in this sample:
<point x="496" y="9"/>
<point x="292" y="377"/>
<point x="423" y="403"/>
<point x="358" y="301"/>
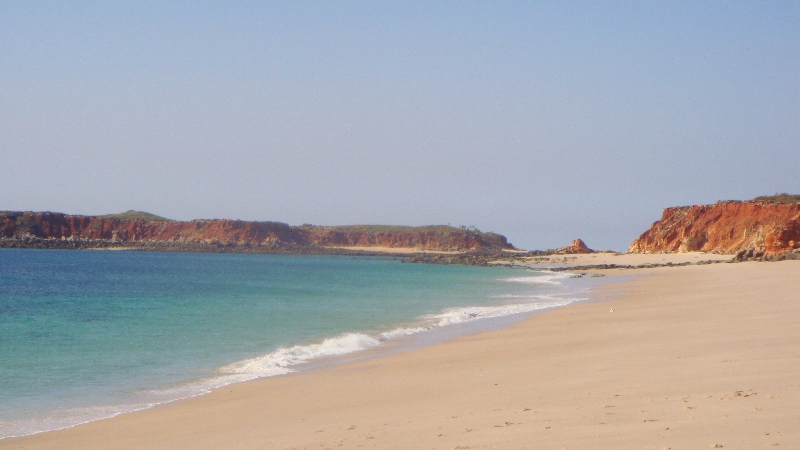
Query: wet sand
<point x="678" y="357"/>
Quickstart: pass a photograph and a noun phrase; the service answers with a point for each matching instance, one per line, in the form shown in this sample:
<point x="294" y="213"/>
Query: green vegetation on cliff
<point x="375" y="229"/>
<point x="778" y="198"/>
<point x="136" y="215"/>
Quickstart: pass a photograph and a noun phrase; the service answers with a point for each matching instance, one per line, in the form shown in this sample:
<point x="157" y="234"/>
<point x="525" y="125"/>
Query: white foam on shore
<point x="280" y="361"/>
<point x="464" y="314"/>
<point x="400" y="332"/>
<point x="469" y="313"/>
<point x="551" y="278"/>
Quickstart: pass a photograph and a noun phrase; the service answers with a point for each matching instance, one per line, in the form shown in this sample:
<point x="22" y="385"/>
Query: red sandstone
<point x="47" y="225"/>
<point x="725" y="227"/>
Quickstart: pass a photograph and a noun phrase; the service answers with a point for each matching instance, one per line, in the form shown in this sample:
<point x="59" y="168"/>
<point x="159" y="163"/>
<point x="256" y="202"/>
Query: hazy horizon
<point x="543" y="123"/>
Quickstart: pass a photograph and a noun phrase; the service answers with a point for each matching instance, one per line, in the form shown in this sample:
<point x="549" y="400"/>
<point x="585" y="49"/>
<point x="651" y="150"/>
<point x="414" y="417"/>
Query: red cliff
<point x="20" y="226"/>
<point x="725" y="227"/>
<point x="47" y="225"/>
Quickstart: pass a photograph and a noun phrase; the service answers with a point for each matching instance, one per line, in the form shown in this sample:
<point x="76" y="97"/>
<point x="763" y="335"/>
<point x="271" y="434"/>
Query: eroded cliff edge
<point x="726" y="227"/>
<point x="57" y="230"/>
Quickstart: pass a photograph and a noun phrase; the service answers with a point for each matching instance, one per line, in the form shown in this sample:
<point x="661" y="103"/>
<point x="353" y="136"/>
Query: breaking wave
<point x="551" y="278"/>
<point x="280" y="361"/>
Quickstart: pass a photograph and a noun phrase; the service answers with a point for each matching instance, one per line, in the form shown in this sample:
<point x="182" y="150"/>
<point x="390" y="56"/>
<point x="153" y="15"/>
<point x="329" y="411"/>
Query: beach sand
<point x="690" y="357"/>
<point x="630" y="259"/>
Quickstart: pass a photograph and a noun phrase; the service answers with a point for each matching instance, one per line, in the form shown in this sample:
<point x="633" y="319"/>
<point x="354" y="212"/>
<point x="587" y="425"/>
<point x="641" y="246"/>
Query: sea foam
<point x="465" y="314"/>
<point x="280" y="361"/>
<point x="551" y="278"/>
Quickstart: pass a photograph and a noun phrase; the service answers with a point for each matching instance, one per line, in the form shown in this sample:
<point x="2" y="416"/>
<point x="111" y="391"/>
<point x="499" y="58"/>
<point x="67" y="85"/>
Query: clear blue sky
<point x="542" y="121"/>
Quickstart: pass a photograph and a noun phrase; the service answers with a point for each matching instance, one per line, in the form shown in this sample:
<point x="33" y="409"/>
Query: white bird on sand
<point x="612" y="310"/>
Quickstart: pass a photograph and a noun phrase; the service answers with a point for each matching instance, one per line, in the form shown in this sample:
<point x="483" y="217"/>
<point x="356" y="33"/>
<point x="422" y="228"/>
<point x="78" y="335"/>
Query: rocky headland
<point x="759" y="228"/>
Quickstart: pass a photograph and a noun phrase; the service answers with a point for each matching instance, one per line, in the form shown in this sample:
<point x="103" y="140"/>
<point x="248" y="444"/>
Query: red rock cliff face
<point x="47" y="225"/>
<point x="56" y="226"/>
<point x="725" y="227"/>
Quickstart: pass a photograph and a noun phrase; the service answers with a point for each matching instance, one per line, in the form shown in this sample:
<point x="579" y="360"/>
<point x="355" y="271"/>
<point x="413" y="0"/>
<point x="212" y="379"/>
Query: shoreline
<point x="691" y="355"/>
<point x="406" y="337"/>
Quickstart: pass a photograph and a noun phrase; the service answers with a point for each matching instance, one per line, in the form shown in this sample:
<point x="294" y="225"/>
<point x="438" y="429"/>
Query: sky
<point x="542" y="121"/>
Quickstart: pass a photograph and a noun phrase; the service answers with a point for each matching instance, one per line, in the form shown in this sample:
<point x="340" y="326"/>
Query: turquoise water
<point x="89" y="334"/>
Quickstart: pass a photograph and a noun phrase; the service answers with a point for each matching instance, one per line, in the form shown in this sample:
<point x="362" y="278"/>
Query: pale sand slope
<point x="661" y="371"/>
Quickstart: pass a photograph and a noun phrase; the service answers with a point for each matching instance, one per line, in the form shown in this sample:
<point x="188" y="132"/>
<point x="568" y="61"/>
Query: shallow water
<point x="90" y="334"/>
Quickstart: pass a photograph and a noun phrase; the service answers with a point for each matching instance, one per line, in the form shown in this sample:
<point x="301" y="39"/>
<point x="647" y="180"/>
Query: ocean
<point x="91" y="334"/>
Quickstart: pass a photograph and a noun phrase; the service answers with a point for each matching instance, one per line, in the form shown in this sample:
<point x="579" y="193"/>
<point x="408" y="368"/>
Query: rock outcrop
<point x="133" y="228"/>
<point x="726" y="227"/>
<point x="578" y="246"/>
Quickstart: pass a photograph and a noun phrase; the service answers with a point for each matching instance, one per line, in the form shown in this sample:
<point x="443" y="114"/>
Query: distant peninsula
<point x="145" y="231"/>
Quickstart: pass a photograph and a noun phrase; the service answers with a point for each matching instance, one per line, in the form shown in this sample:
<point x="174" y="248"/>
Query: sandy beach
<point x="702" y="356"/>
<point x="627" y="259"/>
